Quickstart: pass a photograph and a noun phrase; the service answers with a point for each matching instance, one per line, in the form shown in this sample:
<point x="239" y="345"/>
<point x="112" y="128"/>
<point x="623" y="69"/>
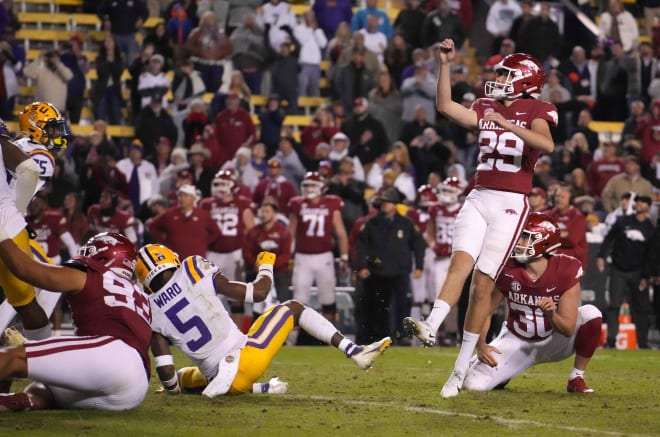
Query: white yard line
<point x="441" y="412"/>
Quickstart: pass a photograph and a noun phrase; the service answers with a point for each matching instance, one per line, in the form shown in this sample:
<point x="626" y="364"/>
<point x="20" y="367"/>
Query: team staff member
<point x="628" y="242"/>
<point x="384" y="264"/>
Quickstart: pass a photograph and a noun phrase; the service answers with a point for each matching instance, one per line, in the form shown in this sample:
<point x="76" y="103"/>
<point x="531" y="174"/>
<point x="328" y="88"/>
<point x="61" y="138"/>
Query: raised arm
<point x="444" y="104"/>
<point x="255" y="291"/>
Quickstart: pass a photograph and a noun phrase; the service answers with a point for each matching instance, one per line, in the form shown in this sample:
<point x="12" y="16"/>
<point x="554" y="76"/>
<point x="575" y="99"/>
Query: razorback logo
<point x="510" y="211"/>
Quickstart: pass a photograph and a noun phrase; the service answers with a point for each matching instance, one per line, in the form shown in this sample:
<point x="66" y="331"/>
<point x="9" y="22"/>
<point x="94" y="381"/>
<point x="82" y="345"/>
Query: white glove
<point x="274" y="386"/>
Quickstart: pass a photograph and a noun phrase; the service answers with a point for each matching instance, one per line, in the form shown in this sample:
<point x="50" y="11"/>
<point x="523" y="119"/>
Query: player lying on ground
<point x="188" y="313"/>
<point x="105" y="365"/>
<point x="545" y="322"/>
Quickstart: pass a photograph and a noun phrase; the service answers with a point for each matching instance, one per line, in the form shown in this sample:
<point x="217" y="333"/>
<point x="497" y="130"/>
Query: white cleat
<point x="365" y="358"/>
<point x="420" y="329"/>
<point x="13" y="337"/>
<point x="453" y="385"/>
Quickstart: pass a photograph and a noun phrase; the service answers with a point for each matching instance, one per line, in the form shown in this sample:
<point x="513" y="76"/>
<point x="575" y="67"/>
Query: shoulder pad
<point x="197" y="267"/>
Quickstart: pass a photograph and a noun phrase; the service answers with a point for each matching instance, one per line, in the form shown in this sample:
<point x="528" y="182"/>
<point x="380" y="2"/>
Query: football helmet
<point x="153" y="259"/>
<point x="113" y="250"/>
<point x="524" y="77"/>
<point x="44" y="123"/>
<point x="312" y="185"/>
<point x="223" y="183"/>
<point x="540" y="236"/>
<point x="450" y="189"/>
<point x="427" y="196"/>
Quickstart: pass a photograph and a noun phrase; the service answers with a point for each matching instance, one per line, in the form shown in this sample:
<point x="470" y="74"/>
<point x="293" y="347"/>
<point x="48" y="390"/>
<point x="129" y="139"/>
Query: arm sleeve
<point x="27" y="178"/>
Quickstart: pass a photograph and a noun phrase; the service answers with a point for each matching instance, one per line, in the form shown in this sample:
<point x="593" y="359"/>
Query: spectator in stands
<point x="418" y="59"/>
<point x="572" y="154"/>
<point x="259" y="162"/>
<point x="238" y="10"/>
<point x="578" y="76"/>
<point x="553" y="90"/>
<point x="141" y="175"/>
<point x="194" y="122"/>
<point x="645" y="70"/>
<point x="339" y="146"/>
<point x="361" y="18"/>
<point x="154" y="122"/>
<point x="442" y="24"/>
<point x="415" y="127"/>
<point x="648" y="132"/>
<point x="51" y="77"/>
<point x="60" y="183"/>
<point x="578" y="183"/>
<point x="614" y="86"/>
<point x="105" y="216"/>
<point x="275" y="186"/>
<point x="154" y="81"/>
<point x="331" y="13"/>
<point x="351" y="190"/>
<point x="419" y="90"/>
<point x="628" y="243"/>
<point x="167" y="178"/>
<point x="374" y="40"/>
<point x="521" y="21"/>
<point x="409" y="23"/>
<point x="9" y="89"/>
<point x="179" y="27"/>
<point x="341" y="40"/>
<point x="540" y="38"/>
<point x="278" y="18"/>
<point x="396" y="58"/>
<point x="250" y="51"/>
<point x="573" y="229"/>
<point x="500" y="20"/>
<point x="367" y="135"/>
<point x="354" y="80"/>
<point x="18" y="54"/>
<point x="159" y="38"/>
<point x="313" y="41"/>
<point x="583" y="121"/>
<point x="209" y="48"/>
<point x="202" y="176"/>
<point x="285" y="66"/>
<point x="320" y="130"/>
<point x="185" y="228"/>
<point x="186" y="86"/>
<point x="538" y="200"/>
<point x="136" y="67"/>
<point x="428" y="153"/>
<point x="270" y="121"/>
<point x="630" y="180"/>
<point x="161" y="158"/>
<point x="246" y="173"/>
<point x="210" y="140"/>
<point x="77" y="223"/>
<point x="386" y="105"/>
<point x="236" y="84"/>
<point x="107" y="100"/>
<point x="292" y="167"/>
<point x="78" y="63"/>
<point x="233" y="128"/>
<point x="617" y="25"/>
<point x="602" y="170"/>
<point x="123" y="18"/>
<point x="370" y="59"/>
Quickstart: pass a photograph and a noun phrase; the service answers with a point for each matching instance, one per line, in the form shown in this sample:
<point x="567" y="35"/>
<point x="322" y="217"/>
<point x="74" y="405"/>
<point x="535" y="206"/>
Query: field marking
<point x="441" y="412"/>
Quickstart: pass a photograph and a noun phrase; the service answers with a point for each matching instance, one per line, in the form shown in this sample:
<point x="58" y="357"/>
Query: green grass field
<point x="328" y="394"/>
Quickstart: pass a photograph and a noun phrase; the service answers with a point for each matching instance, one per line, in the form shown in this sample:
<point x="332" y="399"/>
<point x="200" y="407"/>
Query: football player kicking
<point x="514" y="128"/>
<point x="105" y="365"/>
<point x="544" y="323"/>
<point x="187" y="313"/>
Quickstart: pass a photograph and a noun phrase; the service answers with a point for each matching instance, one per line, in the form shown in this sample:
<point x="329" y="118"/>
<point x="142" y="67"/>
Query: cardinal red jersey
<point x="315" y="227"/>
<point x="277" y="239"/>
<point x="419" y="218"/>
<point x="525" y="319"/>
<point x="281" y="189"/>
<point x="443" y="219"/>
<point x="48" y="229"/>
<point x="505" y="162"/>
<point x="117" y="222"/>
<point x="111" y="305"/>
<point x="229" y="217"/>
<point x="601" y="171"/>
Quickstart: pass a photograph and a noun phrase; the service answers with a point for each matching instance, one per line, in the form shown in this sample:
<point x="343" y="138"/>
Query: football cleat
<point x="13" y="337"/>
<point x="420" y="329"/>
<point x="577" y="385"/>
<point x="453" y="385"/>
<point x="15" y="402"/>
<point x="365" y="357"/>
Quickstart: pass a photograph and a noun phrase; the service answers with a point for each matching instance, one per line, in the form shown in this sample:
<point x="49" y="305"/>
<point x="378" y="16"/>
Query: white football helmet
<point x="312" y="185"/>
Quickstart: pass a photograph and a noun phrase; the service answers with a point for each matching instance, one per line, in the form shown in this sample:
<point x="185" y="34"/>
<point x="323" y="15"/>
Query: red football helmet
<point x="524" y="76"/>
<point x="450" y="189"/>
<point x="541" y="236"/>
<point x="113" y="250"/>
<point x="312" y="185"/>
<point x="427" y="196"/>
<point x="223" y="183"/>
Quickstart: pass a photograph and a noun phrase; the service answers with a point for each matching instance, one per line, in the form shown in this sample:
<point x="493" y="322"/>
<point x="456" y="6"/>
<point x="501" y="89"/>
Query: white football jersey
<point x="10" y="218"/>
<point x="190" y="315"/>
<point x="39" y="154"/>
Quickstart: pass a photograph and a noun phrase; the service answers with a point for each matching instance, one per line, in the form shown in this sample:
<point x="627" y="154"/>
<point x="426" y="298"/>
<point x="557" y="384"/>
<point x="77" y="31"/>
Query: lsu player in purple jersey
<point x="514" y="129"/>
<point x="545" y="322"/>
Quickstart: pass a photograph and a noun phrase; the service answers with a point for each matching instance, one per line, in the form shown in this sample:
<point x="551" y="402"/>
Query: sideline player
<point x="545" y="322"/>
<point x="188" y="314"/>
<point x="105" y="365"/>
<point x="514" y="128"/>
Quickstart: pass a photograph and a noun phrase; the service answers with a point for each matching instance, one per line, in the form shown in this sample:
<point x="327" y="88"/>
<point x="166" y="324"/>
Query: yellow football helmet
<point x="44" y="123"/>
<point x="152" y="260"/>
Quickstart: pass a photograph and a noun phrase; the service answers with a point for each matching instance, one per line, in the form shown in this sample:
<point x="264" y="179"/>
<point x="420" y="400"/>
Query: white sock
<point x="438" y="314"/>
<point x="467" y="348"/>
<point x="7" y="314"/>
<point x="38" y="334"/>
<point x="575" y="373"/>
<point x="347" y="347"/>
<point x="316" y="325"/>
<point x="416" y="311"/>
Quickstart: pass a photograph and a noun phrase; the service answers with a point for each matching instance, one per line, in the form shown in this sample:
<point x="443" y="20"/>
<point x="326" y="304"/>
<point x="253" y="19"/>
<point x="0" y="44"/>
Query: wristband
<point x="249" y="293"/>
<point x="343" y="257"/>
<point x="172" y="385"/>
<point x="265" y="270"/>
<point x="164" y="360"/>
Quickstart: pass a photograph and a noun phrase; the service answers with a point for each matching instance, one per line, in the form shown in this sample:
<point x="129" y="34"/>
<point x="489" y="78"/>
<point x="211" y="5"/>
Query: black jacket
<point x="384" y="246"/>
<point x="628" y="241"/>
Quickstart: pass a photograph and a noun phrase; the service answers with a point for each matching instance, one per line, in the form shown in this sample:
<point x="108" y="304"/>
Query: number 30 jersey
<point x="189" y="314"/>
<point x="525" y="318"/>
<point x="505" y="162"/>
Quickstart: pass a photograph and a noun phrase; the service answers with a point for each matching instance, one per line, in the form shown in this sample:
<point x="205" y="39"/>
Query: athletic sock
<point x="467" y="348"/>
<point x="575" y="373"/>
<point x="316" y="325"/>
<point x="438" y="314"/>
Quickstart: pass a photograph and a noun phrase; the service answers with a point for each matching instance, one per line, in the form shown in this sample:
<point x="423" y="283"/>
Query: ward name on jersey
<point x="525" y="318"/>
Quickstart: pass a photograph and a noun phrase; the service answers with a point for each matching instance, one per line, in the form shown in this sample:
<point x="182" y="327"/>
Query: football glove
<point x="266" y="258"/>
